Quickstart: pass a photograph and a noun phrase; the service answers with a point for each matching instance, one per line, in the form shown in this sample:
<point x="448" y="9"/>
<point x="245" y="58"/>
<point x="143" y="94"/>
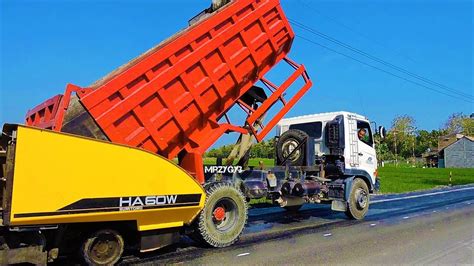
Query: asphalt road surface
<point x="430" y="227"/>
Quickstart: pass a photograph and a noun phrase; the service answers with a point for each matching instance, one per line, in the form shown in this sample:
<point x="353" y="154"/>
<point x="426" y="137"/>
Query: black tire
<point x="216" y="231"/>
<point x="103" y="247"/>
<point x="288" y="142"/>
<point x="293" y="208"/>
<point x="358" y="203"/>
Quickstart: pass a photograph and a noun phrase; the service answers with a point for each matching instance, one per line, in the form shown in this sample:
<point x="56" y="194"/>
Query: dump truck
<point x="91" y="173"/>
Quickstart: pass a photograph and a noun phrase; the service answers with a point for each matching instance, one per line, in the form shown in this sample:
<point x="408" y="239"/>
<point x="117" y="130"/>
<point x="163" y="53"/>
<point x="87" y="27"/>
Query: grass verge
<point x="403" y="178"/>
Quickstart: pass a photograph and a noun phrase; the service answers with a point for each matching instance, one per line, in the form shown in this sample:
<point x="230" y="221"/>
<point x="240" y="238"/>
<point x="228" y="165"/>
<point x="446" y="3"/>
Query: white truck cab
<point x="345" y="137"/>
<point x="320" y="158"/>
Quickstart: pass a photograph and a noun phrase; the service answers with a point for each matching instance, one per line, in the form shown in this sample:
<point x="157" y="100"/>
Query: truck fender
<point x="347" y="187"/>
<point x="361" y="174"/>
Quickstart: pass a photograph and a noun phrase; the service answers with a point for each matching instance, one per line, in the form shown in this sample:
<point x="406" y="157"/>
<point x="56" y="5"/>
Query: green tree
<point x="459" y="123"/>
<point x="427" y="140"/>
<point x="383" y="152"/>
<point x="264" y="149"/>
<point x="402" y="136"/>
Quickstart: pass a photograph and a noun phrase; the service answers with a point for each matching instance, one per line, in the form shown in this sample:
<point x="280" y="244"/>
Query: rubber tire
<point x="86" y="245"/>
<point x="353" y="212"/>
<point x="293" y="208"/>
<point x="296" y="135"/>
<point x="204" y="230"/>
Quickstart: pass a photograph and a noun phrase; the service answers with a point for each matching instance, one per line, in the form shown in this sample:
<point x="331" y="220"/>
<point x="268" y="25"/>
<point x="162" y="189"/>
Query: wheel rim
<point x="288" y="147"/>
<point x="225" y="213"/>
<point x="362" y="198"/>
<point x="105" y="248"/>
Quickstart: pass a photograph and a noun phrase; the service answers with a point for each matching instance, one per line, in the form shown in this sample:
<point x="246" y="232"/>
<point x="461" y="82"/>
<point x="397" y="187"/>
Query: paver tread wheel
<point x="103" y="247"/>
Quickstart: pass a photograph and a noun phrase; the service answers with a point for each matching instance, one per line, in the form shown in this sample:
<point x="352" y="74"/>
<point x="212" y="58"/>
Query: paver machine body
<point x="97" y="160"/>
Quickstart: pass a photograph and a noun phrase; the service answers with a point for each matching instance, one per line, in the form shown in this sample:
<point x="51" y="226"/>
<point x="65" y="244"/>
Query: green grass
<point x="252" y="161"/>
<point x="404" y="179"/>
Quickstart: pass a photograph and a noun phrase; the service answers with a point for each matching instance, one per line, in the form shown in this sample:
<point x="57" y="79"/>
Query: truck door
<point x="366" y="150"/>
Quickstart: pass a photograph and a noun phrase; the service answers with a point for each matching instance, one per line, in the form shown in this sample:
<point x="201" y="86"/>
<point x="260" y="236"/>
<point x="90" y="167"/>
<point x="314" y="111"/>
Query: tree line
<point x="403" y="141"/>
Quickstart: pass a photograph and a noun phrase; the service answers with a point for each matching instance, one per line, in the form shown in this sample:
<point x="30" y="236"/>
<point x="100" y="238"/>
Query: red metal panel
<point x="50" y="114"/>
<point x="171" y="98"/>
<point x="44" y="115"/>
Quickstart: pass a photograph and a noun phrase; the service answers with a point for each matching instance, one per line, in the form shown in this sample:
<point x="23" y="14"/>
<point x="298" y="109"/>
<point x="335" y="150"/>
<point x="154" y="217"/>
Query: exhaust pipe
<point x="305" y="189"/>
<point x="298" y="190"/>
<point x="290" y="201"/>
<point x="286" y="189"/>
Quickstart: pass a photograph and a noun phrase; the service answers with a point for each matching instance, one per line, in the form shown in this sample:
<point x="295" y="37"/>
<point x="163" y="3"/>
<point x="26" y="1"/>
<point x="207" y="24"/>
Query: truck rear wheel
<point x="358" y="202"/>
<point x="223" y="218"/>
<point x="104" y="247"/>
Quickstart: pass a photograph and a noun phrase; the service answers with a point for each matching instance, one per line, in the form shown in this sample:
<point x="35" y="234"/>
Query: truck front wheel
<point x="358" y="202"/>
<point x="223" y="218"/>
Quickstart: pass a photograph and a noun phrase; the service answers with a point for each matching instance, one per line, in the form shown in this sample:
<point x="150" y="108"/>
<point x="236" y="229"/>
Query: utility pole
<point x="412" y="132"/>
<point x="396" y="155"/>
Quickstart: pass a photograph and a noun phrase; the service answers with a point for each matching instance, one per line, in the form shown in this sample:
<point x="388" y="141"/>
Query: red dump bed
<point x="170" y="99"/>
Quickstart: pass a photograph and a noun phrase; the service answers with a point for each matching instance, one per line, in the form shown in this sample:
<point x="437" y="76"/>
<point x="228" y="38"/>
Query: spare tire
<point x="287" y="143"/>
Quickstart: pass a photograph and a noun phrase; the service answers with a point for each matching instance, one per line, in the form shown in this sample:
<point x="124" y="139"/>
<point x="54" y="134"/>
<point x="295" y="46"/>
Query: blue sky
<point x="47" y="44"/>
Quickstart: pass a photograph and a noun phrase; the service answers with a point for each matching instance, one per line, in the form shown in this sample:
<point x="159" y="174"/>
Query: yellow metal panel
<point x="54" y="170"/>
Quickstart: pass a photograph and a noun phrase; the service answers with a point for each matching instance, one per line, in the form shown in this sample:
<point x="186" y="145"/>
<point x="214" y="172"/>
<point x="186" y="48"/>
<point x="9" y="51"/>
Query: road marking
<point x="422" y="195"/>
<point x="372" y="225"/>
<point x="243" y="254"/>
<point x="328" y="234"/>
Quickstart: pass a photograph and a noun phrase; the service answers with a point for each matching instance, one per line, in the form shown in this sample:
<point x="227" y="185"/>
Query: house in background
<point x="456" y="151"/>
<point x="431" y="157"/>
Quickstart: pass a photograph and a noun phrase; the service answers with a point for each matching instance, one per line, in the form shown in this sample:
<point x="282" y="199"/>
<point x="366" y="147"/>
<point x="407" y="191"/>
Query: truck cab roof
<point x="318" y="117"/>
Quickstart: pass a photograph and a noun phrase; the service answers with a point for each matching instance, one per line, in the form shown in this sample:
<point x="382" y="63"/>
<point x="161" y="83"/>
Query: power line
<point x="349" y="47"/>
<point x="356" y="31"/>
<point x="383" y="70"/>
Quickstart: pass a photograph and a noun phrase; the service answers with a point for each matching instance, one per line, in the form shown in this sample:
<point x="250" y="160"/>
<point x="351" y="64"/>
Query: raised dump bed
<point x="170" y="99"/>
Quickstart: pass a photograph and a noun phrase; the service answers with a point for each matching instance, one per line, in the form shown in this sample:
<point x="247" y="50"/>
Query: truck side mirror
<point x="382" y="132"/>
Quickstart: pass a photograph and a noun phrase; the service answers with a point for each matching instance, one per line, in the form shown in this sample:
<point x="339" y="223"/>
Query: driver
<point x="362" y="134"/>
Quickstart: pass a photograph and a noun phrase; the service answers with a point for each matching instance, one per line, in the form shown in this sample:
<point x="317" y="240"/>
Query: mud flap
<point x="340" y="194"/>
<point x="339" y="205"/>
